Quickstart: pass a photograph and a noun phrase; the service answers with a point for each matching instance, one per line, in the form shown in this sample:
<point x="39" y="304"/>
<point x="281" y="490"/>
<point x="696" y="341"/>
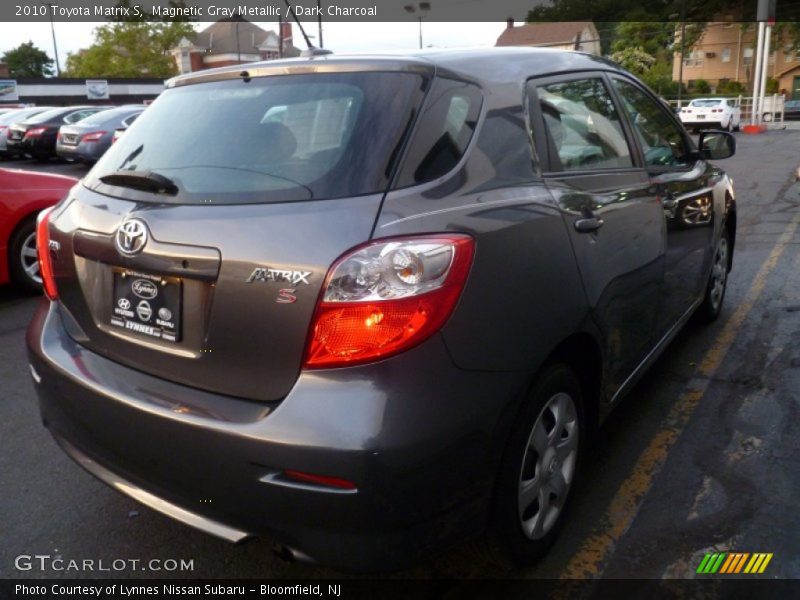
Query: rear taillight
<point x="93" y="137"/>
<point x="45" y="258"/>
<point x="35" y="132"/>
<point x="386" y="297"/>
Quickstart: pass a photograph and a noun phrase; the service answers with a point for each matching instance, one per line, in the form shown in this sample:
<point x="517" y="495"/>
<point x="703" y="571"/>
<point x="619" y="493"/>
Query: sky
<point x="339" y="37"/>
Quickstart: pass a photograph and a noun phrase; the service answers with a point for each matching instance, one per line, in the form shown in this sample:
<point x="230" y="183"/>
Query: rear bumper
<point x="37" y="146"/>
<point x="704" y="124"/>
<point x="422" y="455"/>
<point x="88" y="151"/>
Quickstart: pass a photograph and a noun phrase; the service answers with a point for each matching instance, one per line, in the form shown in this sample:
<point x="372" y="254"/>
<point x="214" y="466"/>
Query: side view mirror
<point x="716" y="145"/>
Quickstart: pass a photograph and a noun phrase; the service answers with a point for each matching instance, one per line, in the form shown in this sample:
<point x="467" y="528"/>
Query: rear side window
<point x="443" y="132"/>
<point x="272" y="139"/>
<point x="582" y="125"/>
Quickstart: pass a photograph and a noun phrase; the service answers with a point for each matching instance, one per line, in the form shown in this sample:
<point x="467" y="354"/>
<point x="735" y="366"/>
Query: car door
<point x="683" y="184"/>
<point x="612" y="215"/>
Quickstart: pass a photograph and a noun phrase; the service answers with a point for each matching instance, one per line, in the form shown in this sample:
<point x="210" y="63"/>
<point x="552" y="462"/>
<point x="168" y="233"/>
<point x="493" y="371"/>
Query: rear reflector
<point x="43" y="252"/>
<point x="323" y="480"/>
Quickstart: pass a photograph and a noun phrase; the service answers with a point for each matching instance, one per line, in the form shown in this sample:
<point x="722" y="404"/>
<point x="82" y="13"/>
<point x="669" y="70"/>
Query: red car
<point x="22" y="195"/>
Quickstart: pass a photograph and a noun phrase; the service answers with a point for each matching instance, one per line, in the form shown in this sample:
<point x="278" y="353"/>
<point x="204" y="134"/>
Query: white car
<point x="712" y="113"/>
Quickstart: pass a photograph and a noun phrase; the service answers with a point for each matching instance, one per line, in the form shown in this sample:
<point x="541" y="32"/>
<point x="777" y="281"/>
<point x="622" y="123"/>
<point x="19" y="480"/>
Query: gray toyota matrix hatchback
<point x="373" y="306"/>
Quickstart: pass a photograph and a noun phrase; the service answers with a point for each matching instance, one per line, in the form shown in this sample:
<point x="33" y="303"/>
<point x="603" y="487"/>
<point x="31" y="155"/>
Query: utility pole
<point x="765" y="12"/>
<point x="319" y="22"/>
<point x="683" y="49"/>
<point x="53" y="32"/>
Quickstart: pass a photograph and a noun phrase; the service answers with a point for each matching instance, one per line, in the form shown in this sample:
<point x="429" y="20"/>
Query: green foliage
<point x="650" y="37"/>
<point x="659" y="79"/>
<point x="731" y="88"/>
<point x="772" y="86"/>
<point x="26" y="60"/>
<point x="701" y="86"/>
<point x="131" y="48"/>
<point x="634" y="59"/>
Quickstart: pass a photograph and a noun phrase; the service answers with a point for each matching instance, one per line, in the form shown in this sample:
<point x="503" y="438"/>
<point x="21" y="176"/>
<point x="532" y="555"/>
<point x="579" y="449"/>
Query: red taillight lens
<point x="386" y="297"/>
<point x="35" y="132"/>
<point x="43" y="251"/>
<point x="93" y="137"/>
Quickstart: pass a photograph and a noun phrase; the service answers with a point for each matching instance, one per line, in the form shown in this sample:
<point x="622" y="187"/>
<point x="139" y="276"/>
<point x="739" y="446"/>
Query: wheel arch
<point x="730" y="226"/>
<point x="582" y="353"/>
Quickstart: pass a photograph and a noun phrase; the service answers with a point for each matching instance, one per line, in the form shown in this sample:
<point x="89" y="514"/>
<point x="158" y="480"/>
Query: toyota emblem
<point x="131" y="237"/>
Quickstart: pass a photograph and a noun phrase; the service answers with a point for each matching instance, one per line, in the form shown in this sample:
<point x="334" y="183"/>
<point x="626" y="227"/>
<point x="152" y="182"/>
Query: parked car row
<point x="75" y="132"/>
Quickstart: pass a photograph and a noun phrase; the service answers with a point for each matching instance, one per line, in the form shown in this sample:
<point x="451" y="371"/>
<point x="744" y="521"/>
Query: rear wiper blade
<point x="147" y="181"/>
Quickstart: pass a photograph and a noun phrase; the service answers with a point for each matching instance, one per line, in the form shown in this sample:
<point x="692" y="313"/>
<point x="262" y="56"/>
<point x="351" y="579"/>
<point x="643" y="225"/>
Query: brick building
<point x="231" y="42"/>
<point x="565" y="35"/>
<point x="726" y="52"/>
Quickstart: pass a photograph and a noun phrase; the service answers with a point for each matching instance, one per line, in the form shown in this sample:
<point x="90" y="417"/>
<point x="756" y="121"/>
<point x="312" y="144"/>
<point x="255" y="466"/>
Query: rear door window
<point x="270" y="139"/>
<point x="582" y="126"/>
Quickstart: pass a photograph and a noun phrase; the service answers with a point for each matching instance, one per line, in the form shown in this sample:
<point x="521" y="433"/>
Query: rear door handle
<point x="588" y="224"/>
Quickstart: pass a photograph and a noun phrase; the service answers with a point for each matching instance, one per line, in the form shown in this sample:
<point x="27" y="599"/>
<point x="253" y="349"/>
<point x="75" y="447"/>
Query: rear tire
<point x="711" y="307"/>
<point x="538" y="470"/>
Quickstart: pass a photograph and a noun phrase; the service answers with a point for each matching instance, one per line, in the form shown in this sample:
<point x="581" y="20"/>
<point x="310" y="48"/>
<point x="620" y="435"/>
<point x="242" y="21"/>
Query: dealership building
<point x="63" y="91"/>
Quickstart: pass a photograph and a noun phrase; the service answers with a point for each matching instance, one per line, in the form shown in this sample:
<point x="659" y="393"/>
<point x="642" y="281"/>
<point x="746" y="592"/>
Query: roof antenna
<point x="311" y="50"/>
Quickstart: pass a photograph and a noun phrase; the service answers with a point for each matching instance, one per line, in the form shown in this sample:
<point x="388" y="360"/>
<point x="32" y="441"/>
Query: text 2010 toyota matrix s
<point x="370" y="307"/>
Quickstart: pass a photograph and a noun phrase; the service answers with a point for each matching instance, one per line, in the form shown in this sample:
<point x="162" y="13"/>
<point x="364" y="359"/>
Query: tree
<point x="26" y="60"/>
<point x="132" y="47"/>
<point x="635" y="60"/>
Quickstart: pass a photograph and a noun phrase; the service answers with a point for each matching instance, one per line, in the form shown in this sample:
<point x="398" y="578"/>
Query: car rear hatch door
<point x="211" y="280"/>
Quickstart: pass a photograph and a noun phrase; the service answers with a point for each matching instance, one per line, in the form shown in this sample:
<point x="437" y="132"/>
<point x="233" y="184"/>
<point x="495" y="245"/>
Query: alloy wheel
<point x="719" y="273"/>
<point x="29" y="259"/>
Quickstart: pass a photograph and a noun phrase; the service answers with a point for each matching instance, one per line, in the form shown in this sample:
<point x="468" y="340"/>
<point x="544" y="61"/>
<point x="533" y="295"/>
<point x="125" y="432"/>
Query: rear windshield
<point x="271" y="139"/>
<point x="705" y="103"/>
<point x="49" y="114"/>
<point x="17" y="116"/>
<point x="104" y="116"/>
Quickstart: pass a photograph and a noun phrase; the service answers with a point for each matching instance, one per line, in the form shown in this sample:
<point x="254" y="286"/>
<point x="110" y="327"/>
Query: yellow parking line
<point x="589" y="560"/>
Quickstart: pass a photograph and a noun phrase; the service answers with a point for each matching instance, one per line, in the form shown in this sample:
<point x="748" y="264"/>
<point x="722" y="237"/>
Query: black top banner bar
<point x="390" y="10"/>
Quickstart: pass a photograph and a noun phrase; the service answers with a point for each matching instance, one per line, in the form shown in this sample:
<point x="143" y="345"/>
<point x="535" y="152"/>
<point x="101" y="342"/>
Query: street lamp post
<point x="423" y="7"/>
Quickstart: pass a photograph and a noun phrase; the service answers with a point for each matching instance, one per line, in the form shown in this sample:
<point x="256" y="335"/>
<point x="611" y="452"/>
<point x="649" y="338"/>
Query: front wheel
<point x="539" y="468"/>
<point x="711" y="307"/>
<point x="23" y="260"/>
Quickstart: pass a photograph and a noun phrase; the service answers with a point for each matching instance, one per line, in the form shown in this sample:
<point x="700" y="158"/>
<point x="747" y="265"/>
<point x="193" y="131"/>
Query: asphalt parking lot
<point x="702" y="457"/>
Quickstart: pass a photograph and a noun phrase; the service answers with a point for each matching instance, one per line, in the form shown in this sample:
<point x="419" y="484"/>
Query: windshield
<point x="50" y="114"/>
<point x="270" y="139"/>
<point x="705" y="103"/>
